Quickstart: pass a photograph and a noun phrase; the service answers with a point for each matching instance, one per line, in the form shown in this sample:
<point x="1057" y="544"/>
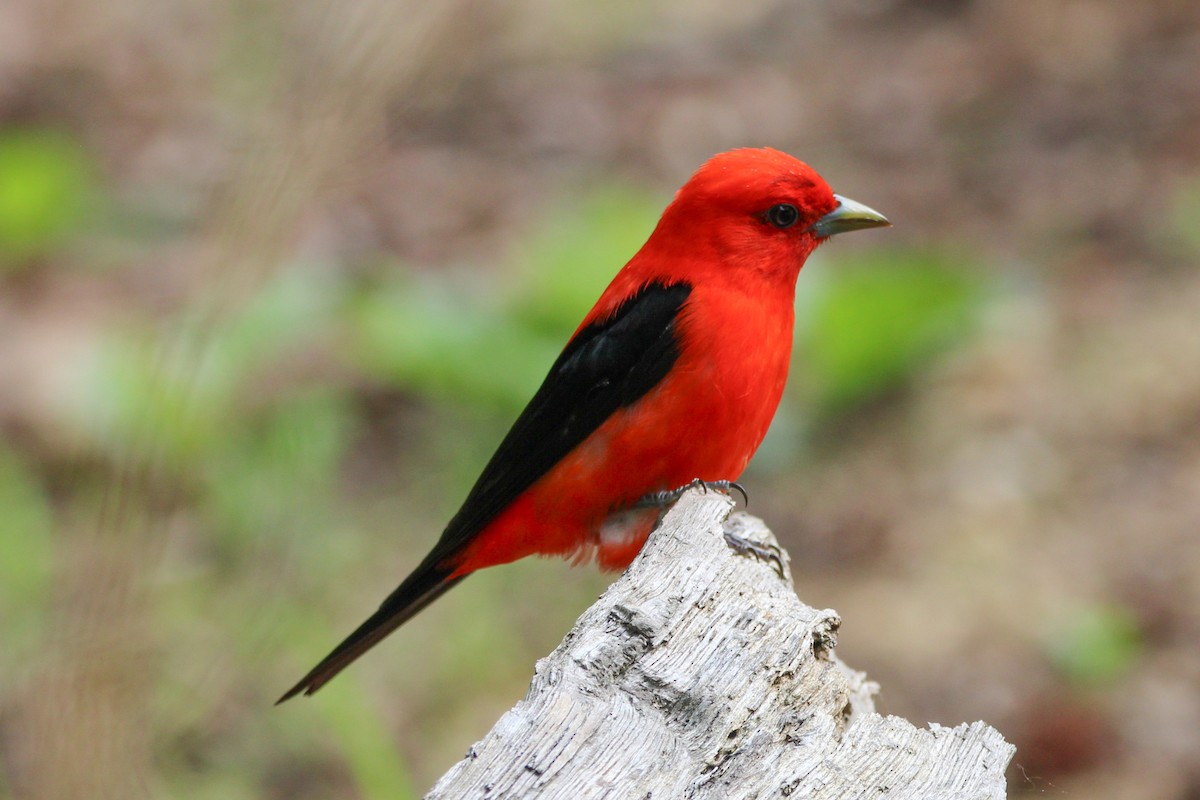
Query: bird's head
<point x="760" y="210"/>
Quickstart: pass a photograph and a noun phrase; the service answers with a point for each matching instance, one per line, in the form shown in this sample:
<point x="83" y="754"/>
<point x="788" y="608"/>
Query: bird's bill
<point x="850" y="215"/>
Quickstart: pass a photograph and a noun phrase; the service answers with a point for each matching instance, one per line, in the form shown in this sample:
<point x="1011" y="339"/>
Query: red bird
<point x="674" y="375"/>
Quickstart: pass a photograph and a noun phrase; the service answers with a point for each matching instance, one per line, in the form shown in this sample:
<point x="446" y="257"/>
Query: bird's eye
<point x="782" y="215"/>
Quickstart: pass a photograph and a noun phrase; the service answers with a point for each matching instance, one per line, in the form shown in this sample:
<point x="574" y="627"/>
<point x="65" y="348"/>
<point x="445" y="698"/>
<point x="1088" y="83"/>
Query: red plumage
<point x="675" y="374"/>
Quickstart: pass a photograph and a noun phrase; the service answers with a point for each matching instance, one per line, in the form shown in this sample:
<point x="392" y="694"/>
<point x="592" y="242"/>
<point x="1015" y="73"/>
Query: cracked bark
<point x="700" y="674"/>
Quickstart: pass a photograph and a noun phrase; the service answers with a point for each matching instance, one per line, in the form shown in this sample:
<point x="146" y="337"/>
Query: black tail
<point x="418" y="590"/>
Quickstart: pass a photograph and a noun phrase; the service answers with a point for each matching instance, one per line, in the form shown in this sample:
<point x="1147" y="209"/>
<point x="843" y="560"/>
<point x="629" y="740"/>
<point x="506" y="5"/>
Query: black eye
<point x="782" y="215"/>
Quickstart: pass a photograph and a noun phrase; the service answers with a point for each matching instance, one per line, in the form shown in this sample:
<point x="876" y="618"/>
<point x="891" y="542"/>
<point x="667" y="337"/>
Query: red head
<point x="758" y="210"/>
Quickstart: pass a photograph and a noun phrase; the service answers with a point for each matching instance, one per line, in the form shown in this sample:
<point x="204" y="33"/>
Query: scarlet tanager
<point x="673" y="376"/>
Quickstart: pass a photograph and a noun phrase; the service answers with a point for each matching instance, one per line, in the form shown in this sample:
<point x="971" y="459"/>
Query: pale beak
<point x="848" y="216"/>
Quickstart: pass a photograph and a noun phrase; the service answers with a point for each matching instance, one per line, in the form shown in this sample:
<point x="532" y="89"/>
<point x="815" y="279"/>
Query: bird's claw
<point x="729" y="487"/>
<point x="760" y="550"/>
<point x="669" y="496"/>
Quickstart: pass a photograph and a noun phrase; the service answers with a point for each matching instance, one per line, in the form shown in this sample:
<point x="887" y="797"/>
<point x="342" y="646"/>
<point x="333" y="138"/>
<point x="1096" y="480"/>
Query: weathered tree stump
<point x="700" y="674"/>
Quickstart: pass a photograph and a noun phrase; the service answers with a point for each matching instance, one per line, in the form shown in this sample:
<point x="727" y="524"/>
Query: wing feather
<point x="607" y="365"/>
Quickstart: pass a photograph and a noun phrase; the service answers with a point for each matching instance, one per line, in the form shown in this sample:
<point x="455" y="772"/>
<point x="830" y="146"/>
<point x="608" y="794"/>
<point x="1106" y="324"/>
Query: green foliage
<point x="573" y="257"/>
<point x="873" y="322"/>
<point x="369" y="749"/>
<point x="46" y="183"/>
<point x="277" y="467"/>
<point x="446" y="341"/>
<point x="26" y="555"/>
<point x="492" y="342"/>
<point x="174" y="396"/>
<point x="1097" y="646"/>
<point x="1184" y="214"/>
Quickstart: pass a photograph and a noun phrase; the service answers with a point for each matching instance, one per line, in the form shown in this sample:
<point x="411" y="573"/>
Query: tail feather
<point x="414" y="594"/>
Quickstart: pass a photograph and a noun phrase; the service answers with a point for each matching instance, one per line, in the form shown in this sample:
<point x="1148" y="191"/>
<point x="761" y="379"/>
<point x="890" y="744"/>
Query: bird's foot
<point x="760" y="550"/>
<point x="666" y="498"/>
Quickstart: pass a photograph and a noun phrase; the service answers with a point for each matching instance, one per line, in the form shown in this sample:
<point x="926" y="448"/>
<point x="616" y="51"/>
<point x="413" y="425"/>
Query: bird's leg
<point x="666" y="498"/>
<point x="760" y="550"/>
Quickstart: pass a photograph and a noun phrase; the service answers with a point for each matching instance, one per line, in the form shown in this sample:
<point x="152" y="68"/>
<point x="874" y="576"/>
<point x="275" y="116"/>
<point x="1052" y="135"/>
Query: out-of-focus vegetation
<point x="45" y="188"/>
<point x="277" y="278"/>
<point x="1099" y="646"/>
<point x="489" y="336"/>
<point x="872" y="325"/>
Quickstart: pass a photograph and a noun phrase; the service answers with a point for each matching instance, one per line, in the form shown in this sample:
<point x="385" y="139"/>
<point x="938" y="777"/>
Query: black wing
<point x="606" y="366"/>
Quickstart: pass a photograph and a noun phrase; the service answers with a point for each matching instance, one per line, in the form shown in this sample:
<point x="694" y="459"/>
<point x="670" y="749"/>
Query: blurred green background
<point x="276" y="276"/>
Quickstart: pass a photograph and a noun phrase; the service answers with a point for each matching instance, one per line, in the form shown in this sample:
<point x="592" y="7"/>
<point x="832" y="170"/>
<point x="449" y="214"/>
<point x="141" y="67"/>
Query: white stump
<point x="700" y="674"/>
